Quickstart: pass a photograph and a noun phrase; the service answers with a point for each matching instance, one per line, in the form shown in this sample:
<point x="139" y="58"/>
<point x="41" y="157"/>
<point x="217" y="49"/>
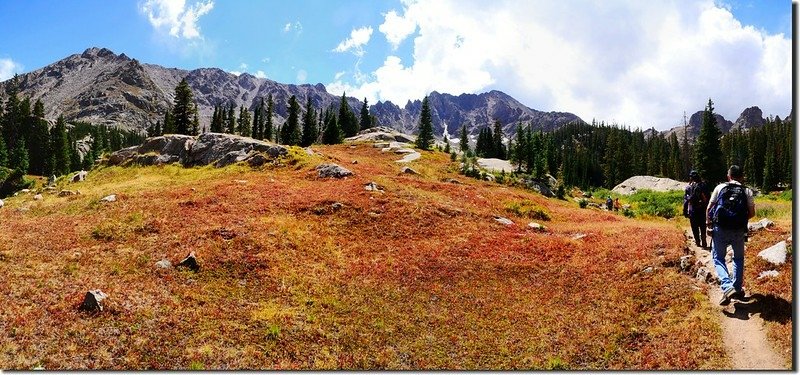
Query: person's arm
<point x="711" y="202"/>
<point x="751" y="204"/>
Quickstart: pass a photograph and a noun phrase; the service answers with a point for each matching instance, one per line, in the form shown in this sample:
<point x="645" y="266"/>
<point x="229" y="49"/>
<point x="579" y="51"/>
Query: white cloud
<point x="260" y="74"/>
<point x="640" y="64"/>
<point x="176" y="17"/>
<point x="8" y="68"/>
<point x="396" y="28"/>
<point x="356" y="42"/>
<point x="296" y="27"/>
<point x="235" y="72"/>
<point x="302" y="75"/>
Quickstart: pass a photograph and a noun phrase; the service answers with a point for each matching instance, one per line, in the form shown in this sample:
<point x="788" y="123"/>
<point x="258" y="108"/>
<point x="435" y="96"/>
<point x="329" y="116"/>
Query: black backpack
<point x="731" y="211"/>
<point x="696" y="198"/>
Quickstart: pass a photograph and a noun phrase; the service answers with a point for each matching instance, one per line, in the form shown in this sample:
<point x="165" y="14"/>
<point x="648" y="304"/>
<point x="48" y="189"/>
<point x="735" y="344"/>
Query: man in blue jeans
<point x="729" y="207"/>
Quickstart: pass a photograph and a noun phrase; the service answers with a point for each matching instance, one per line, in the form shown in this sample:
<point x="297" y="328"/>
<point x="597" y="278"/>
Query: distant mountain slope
<point x="101" y="87"/>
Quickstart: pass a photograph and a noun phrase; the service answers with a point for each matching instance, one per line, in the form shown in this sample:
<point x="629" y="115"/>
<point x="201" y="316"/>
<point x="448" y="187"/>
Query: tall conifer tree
<point x="708" y="160"/>
<point x="310" y="130"/>
<point x="290" y="132"/>
<point x="425" y="137"/>
<point x="366" y="121"/>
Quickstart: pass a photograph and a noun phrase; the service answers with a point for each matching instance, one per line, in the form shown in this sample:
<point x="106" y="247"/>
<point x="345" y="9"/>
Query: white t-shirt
<point x="751" y="204"/>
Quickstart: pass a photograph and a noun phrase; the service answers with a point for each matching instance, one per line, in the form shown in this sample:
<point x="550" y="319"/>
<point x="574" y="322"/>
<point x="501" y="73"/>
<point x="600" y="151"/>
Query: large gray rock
<point x="503" y="220"/>
<point x="333" y="170"/>
<point x="381" y="133"/>
<point x="775" y="254"/>
<point x="409" y="157"/>
<point x="208" y="148"/>
<point x="635" y="183"/>
<point x="495" y="165"/>
<point x="79" y="176"/>
<point x="758" y="225"/>
<point x="540" y="187"/>
<point x="1" y="203"/>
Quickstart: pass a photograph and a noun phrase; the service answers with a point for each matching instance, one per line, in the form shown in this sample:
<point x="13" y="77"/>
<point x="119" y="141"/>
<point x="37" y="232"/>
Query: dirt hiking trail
<point x="743" y="330"/>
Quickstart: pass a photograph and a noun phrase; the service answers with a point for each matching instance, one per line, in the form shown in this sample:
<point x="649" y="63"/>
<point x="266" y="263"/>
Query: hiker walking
<point x="695" y="202"/>
<point x="730" y="207"/>
<point x="609" y="203"/>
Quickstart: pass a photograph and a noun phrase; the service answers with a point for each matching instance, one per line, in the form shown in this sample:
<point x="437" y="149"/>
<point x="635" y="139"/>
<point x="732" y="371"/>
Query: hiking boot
<point x="726" y="297"/>
<point x="738" y="295"/>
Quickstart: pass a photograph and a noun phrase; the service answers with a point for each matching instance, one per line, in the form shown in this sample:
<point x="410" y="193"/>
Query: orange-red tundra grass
<point x="419" y="276"/>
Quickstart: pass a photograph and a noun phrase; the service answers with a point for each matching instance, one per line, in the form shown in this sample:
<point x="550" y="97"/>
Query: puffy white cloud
<point x="175" y="17"/>
<point x="640" y="64"/>
<point x="356" y="42"/>
<point x="396" y="28"/>
<point x="260" y="74"/>
<point x="8" y="68"/>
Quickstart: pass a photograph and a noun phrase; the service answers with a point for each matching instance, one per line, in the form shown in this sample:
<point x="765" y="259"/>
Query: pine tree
<point x="183" y="107"/>
<point x="195" y="129"/>
<point x="3" y="153"/>
<point x="258" y="120"/>
<point x="158" y="131"/>
<point x="268" y="128"/>
<point x="366" y="121"/>
<point x="38" y="141"/>
<point x="332" y="134"/>
<point x="290" y="132"/>
<point x="19" y="157"/>
<point x="708" y="161"/>
<point x="346" y="118"/>
<point x="59" y="143"/>
<point x="425" y="137"/>
<point x="10" y="124"/>
<point x="231" y="120"/>
<point x="519" y="151"/>
<point x="310" y="131"/>
<point x="244" y="122"/>
<point x="74" y="156"/>
<point x="464" y="140"/>
<point x="169" y="122"/>
<point x="497" y="141"/>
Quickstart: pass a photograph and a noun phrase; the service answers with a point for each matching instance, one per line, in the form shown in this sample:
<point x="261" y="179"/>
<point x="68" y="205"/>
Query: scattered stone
<point x="25" y="191"/>
<point x="92" y="302"/>
<point x="769" y="273"/>
<point x="578" y="236"/>
<point x="758" y="225"/>
<point x="109" y="198"/>
<point x="2" y="203"/>
<point x="503" y="220"/>
<point x="372" y="186"/>
<point x="408" y="170"/>
<point x="309" y="151"/>
<point x="80" y="176"/>
<point x="373" y="214"/>
<point x="240" y="181"/>
<point x="648" y="270"/>
<point x="354" y="162"/>
<point x="686" y="263"/>
<point x="190" y="262"/>
<point x="332" y="170"/>
<point x="409" y="157"/>
<point x="489" y="177"/>
<point x="381" y="134"/>
<point x="775" y="254"/>
<point x="257" y="160"/>
<point x="536" y="226"/>
<point x="336" y="206"/>
<point x="51" y="181"/>
<point x="453" y="181"/>
<point x="37" y="197"/>
<point x="164" y="264"/>
<point x="404" y="151"/>
<point x="67" y="193"/>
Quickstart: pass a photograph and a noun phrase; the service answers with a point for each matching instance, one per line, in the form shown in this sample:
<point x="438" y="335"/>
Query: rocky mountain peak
<point x="750" y="118"/>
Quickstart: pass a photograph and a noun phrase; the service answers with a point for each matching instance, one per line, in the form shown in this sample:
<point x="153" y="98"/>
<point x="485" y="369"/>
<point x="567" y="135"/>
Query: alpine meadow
<point x="189" y="211"/>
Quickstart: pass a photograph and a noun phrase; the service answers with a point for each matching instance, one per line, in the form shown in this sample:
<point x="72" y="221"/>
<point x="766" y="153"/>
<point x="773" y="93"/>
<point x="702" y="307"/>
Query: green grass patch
<point x="653" y="203"/>
<point x="528" y="209"/>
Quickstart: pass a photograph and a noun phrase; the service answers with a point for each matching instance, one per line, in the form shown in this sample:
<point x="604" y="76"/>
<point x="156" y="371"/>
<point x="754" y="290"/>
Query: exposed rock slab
<point x="775" y="254"/>
<point x="92" y="301"/>
<point x="208" y="148"/>
<point x="409" y="157"/>
<point x="333" y="171"/>
<point x="635" y="183"/>
<point x="495" y="165"/>
<point x="381" y="133"/>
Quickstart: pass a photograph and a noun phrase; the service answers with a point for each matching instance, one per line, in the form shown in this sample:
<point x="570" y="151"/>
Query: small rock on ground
<point x="332" y="170"/>
<point x="164" y="264"/>
<point x="536" y="226"/>
<point x="2" y="203"/>
<point x="503" y="220"/>
<point x="92" y="302"/>
<point x="579" y="236"/>
<point x="768" y="273"/>
<point x="109" y="198"/>
<point x="775" y="254"/>
<point x="37" y="197"/>
<point x="372" y="186"/>
<point x="190" y="262"/>
<point x="408" y="171"/>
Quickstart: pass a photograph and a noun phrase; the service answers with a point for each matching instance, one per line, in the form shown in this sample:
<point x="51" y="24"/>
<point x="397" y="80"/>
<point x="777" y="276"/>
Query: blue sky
<point x="637" y="63"/>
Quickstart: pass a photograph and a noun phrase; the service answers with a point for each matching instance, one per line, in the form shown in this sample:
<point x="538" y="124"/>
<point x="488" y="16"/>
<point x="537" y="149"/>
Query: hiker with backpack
<point x="695" y="202"/>
<point x="730" y="207"/>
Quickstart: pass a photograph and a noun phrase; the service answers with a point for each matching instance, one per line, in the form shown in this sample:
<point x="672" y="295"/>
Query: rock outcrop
<point x="208" y="148"/>
<point x="333" y="171"/>
<point x="635" y="183"/>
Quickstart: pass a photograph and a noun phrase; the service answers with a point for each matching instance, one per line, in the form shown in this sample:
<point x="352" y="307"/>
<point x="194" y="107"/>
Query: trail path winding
<point x="742" y="327"/>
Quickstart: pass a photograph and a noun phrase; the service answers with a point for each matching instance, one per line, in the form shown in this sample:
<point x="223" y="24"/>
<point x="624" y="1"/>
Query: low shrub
<point x="661" y="204"/>
<point x="583" y="203"/>
<point x="528" y="209"/>
<point x="11" y="181"/>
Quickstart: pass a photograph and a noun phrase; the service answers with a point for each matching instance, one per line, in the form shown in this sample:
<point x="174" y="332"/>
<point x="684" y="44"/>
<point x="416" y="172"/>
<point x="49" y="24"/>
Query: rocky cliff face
<point x="101" y="87"/>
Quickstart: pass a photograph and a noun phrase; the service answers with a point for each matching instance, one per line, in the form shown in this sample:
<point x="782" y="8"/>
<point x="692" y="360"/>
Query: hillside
<point x="300" y="272"/>
<point x="101" y="87"/>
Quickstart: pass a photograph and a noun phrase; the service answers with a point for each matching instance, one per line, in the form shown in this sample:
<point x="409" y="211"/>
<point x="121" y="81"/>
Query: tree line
<point x="302" y="127"/>
<point x="600" y="155"/>
<point x="30" y="145"/>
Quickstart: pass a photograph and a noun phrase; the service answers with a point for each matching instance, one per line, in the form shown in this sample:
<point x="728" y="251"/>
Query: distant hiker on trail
<point x="730" y="207"/>
<point x="616" y="204"/>
<point x="695" y="202"/>
<point x="609" y="203"/>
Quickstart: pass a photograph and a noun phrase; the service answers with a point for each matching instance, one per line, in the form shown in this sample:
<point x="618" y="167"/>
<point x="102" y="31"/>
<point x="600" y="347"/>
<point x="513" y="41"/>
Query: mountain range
<point x="102" y="87"/>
